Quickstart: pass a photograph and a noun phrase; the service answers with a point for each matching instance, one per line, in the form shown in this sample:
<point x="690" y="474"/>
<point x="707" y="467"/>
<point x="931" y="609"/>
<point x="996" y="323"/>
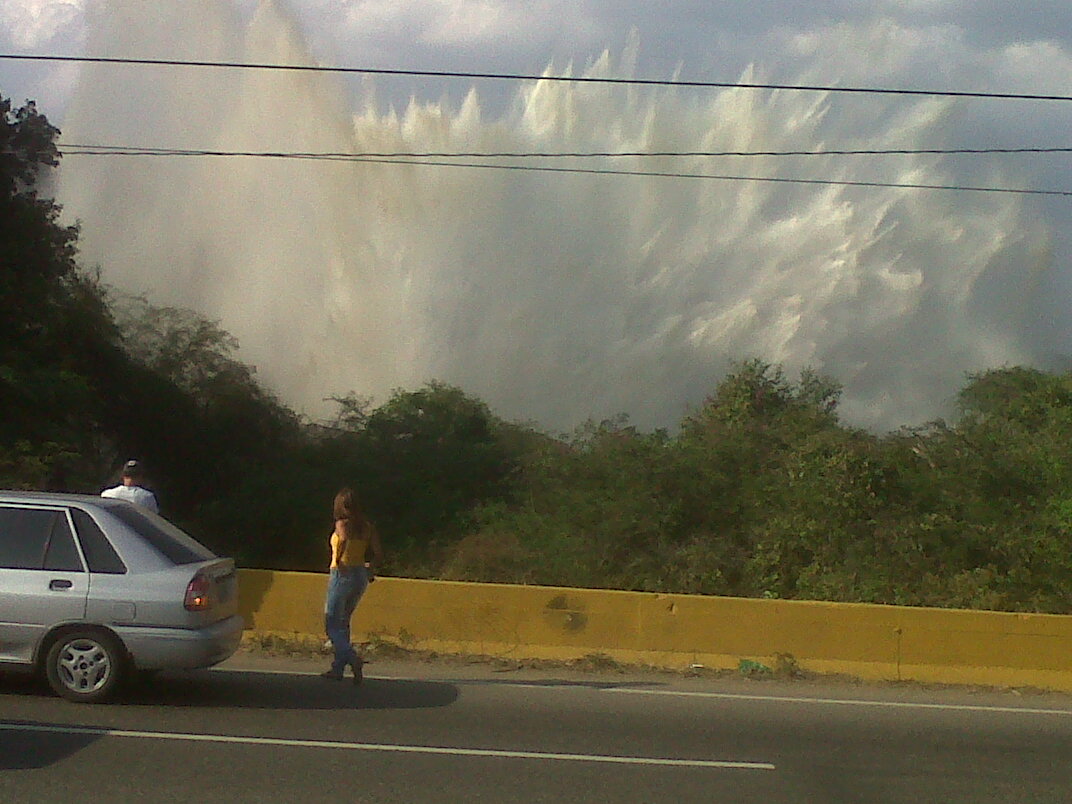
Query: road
<point x="268" y="730"/>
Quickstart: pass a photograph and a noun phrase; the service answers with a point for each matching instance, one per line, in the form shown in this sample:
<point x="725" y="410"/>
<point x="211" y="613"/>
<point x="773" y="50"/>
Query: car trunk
<point x="192" y="595"/>
<point x="219" y="591"/>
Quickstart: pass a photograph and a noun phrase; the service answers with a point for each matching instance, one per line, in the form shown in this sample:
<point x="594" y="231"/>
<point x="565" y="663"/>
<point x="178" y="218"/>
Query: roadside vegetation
<point x="759" y="492"/>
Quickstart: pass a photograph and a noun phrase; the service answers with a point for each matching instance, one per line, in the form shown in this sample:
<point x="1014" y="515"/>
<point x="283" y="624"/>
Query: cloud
<point x="558" y="297"/>
<point x="616" y="286"/>
<point x="32" y="24"/>
<point x="441" y="23"/>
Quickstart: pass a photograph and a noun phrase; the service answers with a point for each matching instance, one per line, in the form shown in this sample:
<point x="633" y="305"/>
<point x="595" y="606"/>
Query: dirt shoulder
<point x="785" y="678"/>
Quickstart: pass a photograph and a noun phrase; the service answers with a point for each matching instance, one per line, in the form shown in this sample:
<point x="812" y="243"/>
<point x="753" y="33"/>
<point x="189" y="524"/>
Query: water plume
<point x="554" y="297"/>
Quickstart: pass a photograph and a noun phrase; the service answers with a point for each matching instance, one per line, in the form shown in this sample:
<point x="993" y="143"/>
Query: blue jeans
<point x="345" y="588"/>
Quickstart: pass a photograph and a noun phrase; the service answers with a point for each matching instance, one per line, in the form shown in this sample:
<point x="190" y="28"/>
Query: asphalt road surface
<point x="268" y="730"/>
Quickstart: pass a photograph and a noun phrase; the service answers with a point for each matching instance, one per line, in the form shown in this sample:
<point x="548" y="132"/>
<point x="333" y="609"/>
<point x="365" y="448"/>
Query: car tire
<point x="85" y="665"/>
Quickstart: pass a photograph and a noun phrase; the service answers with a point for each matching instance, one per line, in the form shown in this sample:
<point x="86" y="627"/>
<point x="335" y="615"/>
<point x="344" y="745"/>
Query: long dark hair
<point x="347" y="506"/>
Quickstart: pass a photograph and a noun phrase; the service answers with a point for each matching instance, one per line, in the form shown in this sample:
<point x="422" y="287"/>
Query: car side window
<point x="100" y="555"/>
<point x="36" y="538"/>
<point x="61" y="555"/>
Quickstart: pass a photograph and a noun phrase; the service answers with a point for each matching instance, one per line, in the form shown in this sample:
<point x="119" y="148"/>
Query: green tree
<point x="427" y="458"/>
<point x="591" y="511"/>
<point x="57" y="338"/>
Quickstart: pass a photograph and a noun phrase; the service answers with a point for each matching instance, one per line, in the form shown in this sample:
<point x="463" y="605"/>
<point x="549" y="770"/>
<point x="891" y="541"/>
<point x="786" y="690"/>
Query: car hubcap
<point x="84" y="666"/>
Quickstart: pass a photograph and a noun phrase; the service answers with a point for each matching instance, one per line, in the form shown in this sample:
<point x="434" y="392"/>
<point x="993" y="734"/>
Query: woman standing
<point x="352" y="540"/>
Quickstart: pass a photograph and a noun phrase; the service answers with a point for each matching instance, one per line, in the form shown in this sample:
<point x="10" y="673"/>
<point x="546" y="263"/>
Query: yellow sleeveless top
<point x="353" y="555"/>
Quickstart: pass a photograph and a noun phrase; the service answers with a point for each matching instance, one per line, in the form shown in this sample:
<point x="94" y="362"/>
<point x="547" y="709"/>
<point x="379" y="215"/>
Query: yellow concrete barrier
<point x="676" y="631"/>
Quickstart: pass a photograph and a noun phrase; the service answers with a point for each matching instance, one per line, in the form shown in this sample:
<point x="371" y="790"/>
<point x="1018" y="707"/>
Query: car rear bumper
<point x="182" y="648"/>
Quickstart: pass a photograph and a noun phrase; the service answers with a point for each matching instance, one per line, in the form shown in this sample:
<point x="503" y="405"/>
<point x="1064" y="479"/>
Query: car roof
<point x="58" y="498"/>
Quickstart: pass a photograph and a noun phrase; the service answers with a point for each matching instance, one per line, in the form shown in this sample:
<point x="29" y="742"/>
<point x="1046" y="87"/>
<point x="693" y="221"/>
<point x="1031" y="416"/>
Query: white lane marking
<point x="1025" y="710"/>
<point x="403" y="749"/>
<point x="843" y="701"/>
<point x="266" y="672"/>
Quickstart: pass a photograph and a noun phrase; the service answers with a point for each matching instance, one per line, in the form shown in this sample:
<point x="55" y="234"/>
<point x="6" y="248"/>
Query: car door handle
<point x="60" y="583"/>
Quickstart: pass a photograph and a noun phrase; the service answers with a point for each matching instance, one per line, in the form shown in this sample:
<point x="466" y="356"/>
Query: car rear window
<point x="168" y="540"/>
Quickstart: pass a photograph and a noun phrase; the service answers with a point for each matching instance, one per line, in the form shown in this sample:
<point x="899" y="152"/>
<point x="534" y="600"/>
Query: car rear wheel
<point x="85" y="666"/>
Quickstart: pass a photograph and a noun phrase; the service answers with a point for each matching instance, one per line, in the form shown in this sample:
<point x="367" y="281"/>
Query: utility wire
<point x="137" y="150"/>
<point x="524" y="77"/>
<point x="589" y="171"/>
<point x="667" y="174"/>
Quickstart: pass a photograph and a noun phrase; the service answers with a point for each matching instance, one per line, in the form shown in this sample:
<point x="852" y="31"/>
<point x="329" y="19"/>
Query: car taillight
<point x="197" y="597"/>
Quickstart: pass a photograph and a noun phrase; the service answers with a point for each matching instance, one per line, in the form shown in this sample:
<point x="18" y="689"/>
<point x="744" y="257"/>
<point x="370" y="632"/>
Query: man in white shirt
<point x="131" y="488"/>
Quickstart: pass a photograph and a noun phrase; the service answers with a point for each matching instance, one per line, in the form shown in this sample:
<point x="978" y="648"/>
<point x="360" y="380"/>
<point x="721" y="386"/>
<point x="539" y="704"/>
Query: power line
<point x="774" y="179"/>
<point x="530" y="77"/>
<point x="577" y="170"/>
<point x="137" y="150"/>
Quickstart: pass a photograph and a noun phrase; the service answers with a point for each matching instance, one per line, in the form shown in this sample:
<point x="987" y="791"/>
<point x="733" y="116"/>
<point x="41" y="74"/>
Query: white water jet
<point x="552" y="296"/>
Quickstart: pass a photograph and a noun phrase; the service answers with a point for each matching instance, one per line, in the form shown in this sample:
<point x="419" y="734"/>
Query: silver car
<point x="93" y="590"/>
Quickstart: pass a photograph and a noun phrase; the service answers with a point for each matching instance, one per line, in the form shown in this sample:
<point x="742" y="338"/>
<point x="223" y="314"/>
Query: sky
<point x="927" y="43"/>
<point x="972" y="45"/>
